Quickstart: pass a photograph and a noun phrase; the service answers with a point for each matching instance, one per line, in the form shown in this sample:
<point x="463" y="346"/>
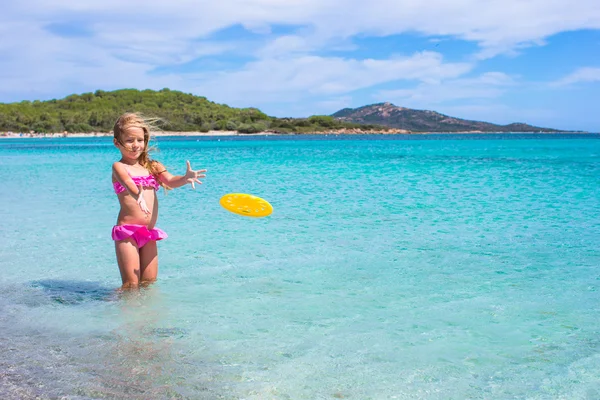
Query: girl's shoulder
<point x="123" y="169"/>
<point x="118" y="166"/>
<point x="157" y="167"/>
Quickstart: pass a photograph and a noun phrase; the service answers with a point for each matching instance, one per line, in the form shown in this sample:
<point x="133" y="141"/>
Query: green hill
<point x="183" y="112"/>
<point x="97" y="112"/>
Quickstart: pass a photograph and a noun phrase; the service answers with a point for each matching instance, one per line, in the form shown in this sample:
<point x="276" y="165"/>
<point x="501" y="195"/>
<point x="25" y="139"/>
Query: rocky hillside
<point x="393" y="116"/>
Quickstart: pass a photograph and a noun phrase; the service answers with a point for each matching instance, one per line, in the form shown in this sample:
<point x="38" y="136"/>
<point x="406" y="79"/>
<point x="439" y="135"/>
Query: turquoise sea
<point x="392" y="267"/>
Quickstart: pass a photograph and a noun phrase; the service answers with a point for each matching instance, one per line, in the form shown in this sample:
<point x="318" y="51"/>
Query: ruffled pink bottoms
<point x="139" y="233"/>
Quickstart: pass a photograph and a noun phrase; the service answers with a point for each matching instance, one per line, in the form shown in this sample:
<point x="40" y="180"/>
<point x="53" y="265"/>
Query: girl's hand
<point x="192" y="176"/>
<point x="141" y="201"/>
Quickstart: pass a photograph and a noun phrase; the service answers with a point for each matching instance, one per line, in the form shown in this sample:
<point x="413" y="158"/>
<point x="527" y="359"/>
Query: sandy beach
<point x="21" y="135"/>
<point x="12" y="135"/>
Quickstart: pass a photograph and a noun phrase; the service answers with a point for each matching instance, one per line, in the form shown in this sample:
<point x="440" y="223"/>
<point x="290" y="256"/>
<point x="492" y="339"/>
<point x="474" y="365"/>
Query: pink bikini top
<point x="145" y="181"/>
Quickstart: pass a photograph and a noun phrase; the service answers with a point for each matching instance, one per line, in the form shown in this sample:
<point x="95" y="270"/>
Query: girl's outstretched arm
<point x="174" y="181"/>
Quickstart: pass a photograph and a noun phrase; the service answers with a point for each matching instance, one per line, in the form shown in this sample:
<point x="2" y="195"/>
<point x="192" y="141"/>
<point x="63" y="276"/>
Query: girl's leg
<point x="128" y="258"/>
<point x="148" y="263"/>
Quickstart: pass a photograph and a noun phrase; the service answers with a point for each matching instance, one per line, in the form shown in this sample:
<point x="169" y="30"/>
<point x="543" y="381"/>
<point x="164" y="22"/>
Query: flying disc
<point x="246" y="205"/>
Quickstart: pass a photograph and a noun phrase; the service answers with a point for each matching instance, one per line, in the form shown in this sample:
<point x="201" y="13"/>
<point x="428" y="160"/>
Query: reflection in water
<point x="74" y="292"/>
<point x="134" y="353"/>
<point x="137" y="363"/>
<point x="143" y="359"/>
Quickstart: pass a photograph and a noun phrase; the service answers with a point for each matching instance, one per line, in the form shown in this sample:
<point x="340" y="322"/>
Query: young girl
<point x="136" y="178"/>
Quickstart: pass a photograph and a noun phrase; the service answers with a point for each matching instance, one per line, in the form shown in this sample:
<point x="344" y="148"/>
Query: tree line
<point x="177" y="111"/>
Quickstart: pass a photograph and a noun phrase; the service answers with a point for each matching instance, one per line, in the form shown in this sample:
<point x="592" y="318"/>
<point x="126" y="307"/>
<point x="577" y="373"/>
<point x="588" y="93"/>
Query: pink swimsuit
<point x="139" y="233"/>
<point x="145" y="181"/>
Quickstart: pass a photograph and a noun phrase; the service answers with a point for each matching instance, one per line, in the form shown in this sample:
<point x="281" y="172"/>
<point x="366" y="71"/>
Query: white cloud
<point x="334" y="104"/>
<point x="127" y="42"/>
<point x="503" y="114"/>
<point x="50" y="68"/>
<point x="292" y="79"/>
<point x="585" y="74"/>
<point x="285" y="45"/>
<point x="497" y="26"/>
<point x="487" y="86"/>
<point x="305" y="109"/>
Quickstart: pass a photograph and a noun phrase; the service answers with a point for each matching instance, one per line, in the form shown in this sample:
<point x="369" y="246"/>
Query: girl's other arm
<point x="174" y="181"/>
<point x="121" y="175"/>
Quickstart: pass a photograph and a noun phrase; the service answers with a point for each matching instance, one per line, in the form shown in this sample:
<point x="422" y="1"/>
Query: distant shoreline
<point x="5" y="135"/>
<point x="11" y="135"/>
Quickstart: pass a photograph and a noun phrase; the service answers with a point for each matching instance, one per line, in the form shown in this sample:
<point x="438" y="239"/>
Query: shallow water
<point x="393" y="267"/>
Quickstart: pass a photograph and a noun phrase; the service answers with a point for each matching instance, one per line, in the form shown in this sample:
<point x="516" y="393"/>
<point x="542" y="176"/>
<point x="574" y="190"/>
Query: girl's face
<point x="132" y="143"/>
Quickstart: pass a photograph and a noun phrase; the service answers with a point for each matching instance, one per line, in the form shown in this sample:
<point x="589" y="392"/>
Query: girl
<point x="136" y="178"/>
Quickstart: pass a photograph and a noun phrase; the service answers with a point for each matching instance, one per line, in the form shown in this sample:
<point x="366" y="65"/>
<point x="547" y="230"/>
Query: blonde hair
<point x="137" y="120"/>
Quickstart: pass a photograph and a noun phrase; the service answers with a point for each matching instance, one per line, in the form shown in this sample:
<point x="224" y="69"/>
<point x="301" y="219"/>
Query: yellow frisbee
<point x="246" y="205"/>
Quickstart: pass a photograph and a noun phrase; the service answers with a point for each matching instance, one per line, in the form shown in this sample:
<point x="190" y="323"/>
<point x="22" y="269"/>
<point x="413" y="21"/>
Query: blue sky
<point x="534" y="61"/>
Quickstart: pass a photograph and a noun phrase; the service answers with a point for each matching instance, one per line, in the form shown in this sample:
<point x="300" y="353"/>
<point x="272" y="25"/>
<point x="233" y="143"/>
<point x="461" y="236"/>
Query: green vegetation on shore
<point x="97" y="112"/>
